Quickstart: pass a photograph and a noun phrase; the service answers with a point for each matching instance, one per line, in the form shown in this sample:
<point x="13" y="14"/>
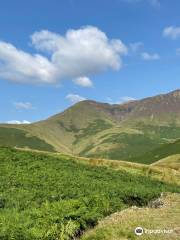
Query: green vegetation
<point x="99" y="139"/>
<point x="70" y="128"/>
<point x="158" y="153"/>
<point x="19" y="138"/>
<point x="126" y="146"/>
<point x="121" y="226"/>
<point x="92" y="129"/>
<point x="149" y="145"/>
<point x="168" y="132"/>
<point x="53" y="197"/>
<point x="139" y="131"/>
<point x="172" y="162"/>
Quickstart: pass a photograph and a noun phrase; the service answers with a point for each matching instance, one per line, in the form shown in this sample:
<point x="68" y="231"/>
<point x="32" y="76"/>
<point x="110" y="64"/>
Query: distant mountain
<point x="126" y="131"/>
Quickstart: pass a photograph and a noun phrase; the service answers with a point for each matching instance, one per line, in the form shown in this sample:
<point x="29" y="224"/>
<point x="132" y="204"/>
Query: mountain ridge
<point x="118" y="131"/>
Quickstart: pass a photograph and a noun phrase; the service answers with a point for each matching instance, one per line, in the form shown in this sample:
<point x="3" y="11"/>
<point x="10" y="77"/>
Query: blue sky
<point x="54" y="53"/>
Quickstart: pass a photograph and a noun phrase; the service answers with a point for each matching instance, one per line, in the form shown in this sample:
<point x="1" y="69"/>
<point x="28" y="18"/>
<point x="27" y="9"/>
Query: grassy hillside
<point x="121" y="225"/>
<point x="123" y="132"/>
<point x="100" y="139"/>
<point x="166" y="169"/>
<point x="162" y="151"/>
<point x="146" y="144"/>
<point x="20" y="138"/>
<point x="138" y="131"/>
<point x="49" y="197"/>
<point x="172" y="162"/>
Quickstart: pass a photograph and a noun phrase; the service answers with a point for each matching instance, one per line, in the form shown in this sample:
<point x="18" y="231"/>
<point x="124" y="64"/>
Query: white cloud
<point x="109" y="100"/>
<point x="172" y="32"/>
<point x="122" y="100"/>
<point x="178" y="51"/>
<point x="74" y="98"/>
<point x="126" y="99"/>
<point x="136" y="46"/>
<point x="23" y="105"/>
<point x="18" y="122"/>
<point x="83" y="82"/>
<point x="17" y="65"/>
<point x="79" y="53"/>
<point x="150" y="57"/>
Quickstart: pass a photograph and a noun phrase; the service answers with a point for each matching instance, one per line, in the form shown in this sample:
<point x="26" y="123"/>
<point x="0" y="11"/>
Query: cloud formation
<point x="80" y="52"/>
<point x="19" y="66"/>
<point x="126" y="99"/>
<point x="150" y="57"/>
<point x="83" y="82"/>
<point x="122" y="100"/>
<point x="74" y="98"/>
<point x="23" y="105"/>
<point x="172" y="32"/>
<point x="18" y="122"/>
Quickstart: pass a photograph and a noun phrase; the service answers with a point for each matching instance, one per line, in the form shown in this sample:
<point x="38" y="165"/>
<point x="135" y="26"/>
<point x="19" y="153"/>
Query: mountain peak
<point x="117" y="131"/>
<point x="175" y="93"/>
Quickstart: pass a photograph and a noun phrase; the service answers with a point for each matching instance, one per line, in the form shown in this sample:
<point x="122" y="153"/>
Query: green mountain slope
<point x="172" y="161"/>
<point x="156" y="154"/>
<point x="49" y="197"/>
<point x="22" y="139"/>
<point x="122" y="131"/>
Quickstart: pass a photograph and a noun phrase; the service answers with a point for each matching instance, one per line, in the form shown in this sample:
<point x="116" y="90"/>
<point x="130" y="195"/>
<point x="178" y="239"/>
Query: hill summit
<point x="125" y="131"/>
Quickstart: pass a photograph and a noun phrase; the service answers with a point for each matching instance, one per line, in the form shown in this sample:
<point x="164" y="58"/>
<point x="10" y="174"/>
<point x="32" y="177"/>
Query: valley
<point x="137" y="131"/>
<point x="90" y="120"/>
<point x="83" y="173"/>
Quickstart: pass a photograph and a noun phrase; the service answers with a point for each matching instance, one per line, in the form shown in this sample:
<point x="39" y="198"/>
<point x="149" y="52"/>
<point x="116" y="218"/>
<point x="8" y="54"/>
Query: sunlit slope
<point x="137" y="131"/>
<point x="172" y="161"/>
<point x="144" y="144"/>
<point x="163" y="151"/>
<point x="44" y="196"/>
<point x="166" y="169"/>
<point x="164" y="214"/>
<point x="14" y="137"/>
